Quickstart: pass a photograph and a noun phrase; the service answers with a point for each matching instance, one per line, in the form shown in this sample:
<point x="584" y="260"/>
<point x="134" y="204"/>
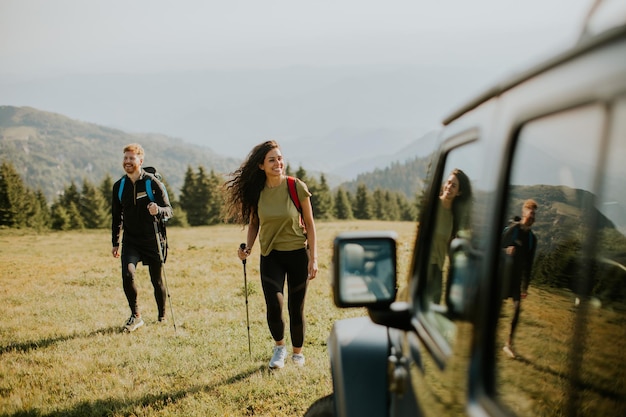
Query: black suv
<point x="515" y="303"/>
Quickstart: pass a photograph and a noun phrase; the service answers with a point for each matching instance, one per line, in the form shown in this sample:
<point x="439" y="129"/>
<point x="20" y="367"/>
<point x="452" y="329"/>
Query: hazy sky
<point x="357" y="64"/>
<point x="130" y="36"/>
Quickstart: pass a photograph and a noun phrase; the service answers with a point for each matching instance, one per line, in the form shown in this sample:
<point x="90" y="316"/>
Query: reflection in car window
<point x="553" y="260"/>
<point x="603" y="369"/>
<point x="452" y="219"/>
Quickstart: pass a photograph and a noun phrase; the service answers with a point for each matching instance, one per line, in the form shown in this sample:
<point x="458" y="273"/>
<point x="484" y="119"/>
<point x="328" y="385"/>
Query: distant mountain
<point x="407" y="178"/>
<point x="380" y="158"/>
<point x="51" y="151"/>
<point x="230" y="111"/>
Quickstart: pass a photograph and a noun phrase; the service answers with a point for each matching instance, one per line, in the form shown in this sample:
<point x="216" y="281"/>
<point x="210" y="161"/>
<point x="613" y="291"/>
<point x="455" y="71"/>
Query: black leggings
<point x="132" y="256"/>
<point x="275" y="267"/>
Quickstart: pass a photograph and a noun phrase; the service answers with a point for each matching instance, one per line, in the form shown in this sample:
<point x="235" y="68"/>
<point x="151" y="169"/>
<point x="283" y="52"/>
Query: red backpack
<point x="291" y="184"/>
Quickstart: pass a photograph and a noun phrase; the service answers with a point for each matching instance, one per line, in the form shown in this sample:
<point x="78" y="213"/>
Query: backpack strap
<point x="148" y="189"/>
<point x="119" y="193"/>
<point x="293" y="193"/>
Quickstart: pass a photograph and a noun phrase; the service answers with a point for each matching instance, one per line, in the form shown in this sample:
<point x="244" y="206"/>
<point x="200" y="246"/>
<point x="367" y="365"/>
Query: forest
<point x="200" y="202"/>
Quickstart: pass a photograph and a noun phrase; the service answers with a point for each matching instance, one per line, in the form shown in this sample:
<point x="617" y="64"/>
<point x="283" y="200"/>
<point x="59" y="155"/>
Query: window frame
<point x="429" y="334"/>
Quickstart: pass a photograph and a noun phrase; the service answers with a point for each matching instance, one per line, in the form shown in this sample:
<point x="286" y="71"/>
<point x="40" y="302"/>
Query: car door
<point x="440" y="345"/>
<point x="565" y="356"/>
<point x="568" y="343"/>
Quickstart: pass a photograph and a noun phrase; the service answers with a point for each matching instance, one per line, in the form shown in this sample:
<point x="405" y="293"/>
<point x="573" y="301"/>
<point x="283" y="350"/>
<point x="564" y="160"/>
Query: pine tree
<point x="14" y="198"/>
<point x="342" y="206"/>
<point x="180" y="216"/>
<point x="408" y="211"/>
<point x="66" y="213"/>
<point x="188" y="201"/>
<point x="302" y="175"/>
<point x="70" y="195"/>
<point x="39" y="215"/>
<point x="93" y="207"/>
<point x="203" y="196"/>
<point x="392" y="209"/>
<point x="215" y="201"/>
<point x="322" y="200"/>
<point x="362" y="207"/>
<point x="106" y="189"/>
<point x="76" y="219"/>
<point x="60" y="218"/>
<point x="379" y="206"/>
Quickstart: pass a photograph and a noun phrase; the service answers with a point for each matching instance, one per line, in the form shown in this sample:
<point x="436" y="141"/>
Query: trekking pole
<point x="245" y="283"/>
<point x="167" y="290"/>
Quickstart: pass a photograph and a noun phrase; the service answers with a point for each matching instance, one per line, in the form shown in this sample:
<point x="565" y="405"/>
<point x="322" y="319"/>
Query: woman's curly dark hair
<point x="461" y="205"/>
<point x="244" y="187"/>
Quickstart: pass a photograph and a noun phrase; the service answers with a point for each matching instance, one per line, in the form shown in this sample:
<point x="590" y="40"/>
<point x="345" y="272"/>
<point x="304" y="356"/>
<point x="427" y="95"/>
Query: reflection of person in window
<point x="520" y="244"/>
<point x="452" y="215"/>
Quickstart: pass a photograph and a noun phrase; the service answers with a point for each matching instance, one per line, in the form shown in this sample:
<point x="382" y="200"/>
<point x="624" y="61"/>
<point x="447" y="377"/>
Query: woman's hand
<point x="243" y="252"/>
<point x="312" y="269"/>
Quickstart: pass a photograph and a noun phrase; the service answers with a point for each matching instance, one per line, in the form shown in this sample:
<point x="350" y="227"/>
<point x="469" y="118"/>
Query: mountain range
<point x="51" y="150"/>
<point x="385" y="107"/>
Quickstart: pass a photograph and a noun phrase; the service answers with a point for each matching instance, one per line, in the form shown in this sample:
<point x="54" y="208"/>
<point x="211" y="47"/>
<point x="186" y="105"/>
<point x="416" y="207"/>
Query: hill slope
<point x="51" y="151"/>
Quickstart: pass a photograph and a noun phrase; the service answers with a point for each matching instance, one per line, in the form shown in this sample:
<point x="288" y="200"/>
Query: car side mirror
<point x="462" y="280"/>
<point x="364" y="269"/>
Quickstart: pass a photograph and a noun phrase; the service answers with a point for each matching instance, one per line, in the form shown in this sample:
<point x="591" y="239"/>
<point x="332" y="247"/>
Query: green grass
<point x="535" y="382"/>
<point x="62" y="352"/>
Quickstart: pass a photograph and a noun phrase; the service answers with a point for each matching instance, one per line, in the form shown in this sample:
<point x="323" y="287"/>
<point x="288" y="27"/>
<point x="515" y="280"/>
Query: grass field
<point x="62" y="352"/>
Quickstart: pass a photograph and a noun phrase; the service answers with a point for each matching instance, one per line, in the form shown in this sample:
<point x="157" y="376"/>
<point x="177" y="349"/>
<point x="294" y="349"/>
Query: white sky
<point x="129" y="36"/>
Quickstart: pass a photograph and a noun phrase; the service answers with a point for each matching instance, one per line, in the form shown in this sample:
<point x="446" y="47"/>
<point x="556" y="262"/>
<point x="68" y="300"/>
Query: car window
<point x="560" y="330"/>
<point x="602" y="366"/>
<point x="452" y="218"/>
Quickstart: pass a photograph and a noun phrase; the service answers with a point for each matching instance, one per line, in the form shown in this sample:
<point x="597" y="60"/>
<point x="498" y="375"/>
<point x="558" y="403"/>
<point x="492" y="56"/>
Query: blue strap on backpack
<point x="148" y="189"/>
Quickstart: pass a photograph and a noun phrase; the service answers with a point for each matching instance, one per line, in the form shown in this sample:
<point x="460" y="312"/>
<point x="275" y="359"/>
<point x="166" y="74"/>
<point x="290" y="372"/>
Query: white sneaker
<point x="509" y="351"/>
<point x="278" y="357"/>
<point x="298" y="359"/>
<point x="133" y="323"/>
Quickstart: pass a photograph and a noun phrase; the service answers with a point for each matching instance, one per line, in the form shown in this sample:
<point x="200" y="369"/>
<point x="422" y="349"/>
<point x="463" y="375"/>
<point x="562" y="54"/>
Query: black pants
<point x="133" y="255"/>
<point x="275" y="267"/>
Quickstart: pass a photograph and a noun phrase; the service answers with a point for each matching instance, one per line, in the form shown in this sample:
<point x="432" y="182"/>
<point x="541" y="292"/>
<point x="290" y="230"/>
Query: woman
<point x="452" y="216"/>
<point x="257" y="195"/>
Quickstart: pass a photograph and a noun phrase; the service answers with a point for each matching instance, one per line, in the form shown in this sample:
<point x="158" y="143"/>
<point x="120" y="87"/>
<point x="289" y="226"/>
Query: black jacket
<point x="131" y="212"/>
<point x="525" y="243"/>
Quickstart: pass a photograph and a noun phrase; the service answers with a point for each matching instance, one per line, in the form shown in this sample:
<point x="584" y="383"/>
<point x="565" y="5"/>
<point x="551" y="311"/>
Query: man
<point x="133" y="211"/>
<point x="520" y="244"/>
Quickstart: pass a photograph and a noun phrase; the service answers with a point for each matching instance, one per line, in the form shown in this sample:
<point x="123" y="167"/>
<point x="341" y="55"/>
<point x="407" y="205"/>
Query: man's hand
<point x="115" y="251"/>
<point x="153" y="209"/>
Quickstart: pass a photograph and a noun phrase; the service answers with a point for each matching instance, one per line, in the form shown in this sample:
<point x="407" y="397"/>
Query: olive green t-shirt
<point x="279" y="219"/>
<point x="443" y="233"/>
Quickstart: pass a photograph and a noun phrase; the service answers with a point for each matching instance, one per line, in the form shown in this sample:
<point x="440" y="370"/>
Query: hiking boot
<point x="133" y="323"/>
<point x="278" y="357"/>
<point x="509" y="351"/>
<point x="297" y="359"/>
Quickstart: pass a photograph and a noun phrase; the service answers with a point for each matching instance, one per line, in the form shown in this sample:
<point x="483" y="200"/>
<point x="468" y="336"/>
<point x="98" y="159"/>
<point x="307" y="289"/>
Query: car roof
<point x="605" y="22"/>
